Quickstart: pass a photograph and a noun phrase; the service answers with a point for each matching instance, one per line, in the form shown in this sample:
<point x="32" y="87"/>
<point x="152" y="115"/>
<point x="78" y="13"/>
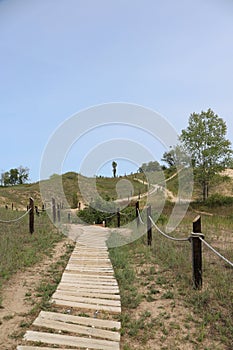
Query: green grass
<point x="41" y="294"/>
<point x="106" y="187"/>
<point x="20" y="249"/>
<point x="212" y="306"/>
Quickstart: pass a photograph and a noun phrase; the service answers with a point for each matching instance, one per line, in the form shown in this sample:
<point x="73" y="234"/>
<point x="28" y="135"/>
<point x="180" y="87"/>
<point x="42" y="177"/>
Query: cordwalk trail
<point x="85" y="303"/>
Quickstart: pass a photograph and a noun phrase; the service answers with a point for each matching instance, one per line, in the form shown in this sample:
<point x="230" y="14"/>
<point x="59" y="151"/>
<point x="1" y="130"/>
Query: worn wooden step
<point x="79" y="299"/>
<point x="87" y="306"/>
<point x="67" y="340"/>
<point x="87" y="321"/>
<point x="31" y="347"/>
<point x="80" y="286"/>
<point x="72" y="274"/>
<point x="89" y="268"/>
<point x="89" y="281"/>
<point x="94" y="276"/>
<point x="89" y="289"/>
<point x="93" y="332"/>
<point x="94" y="294"/>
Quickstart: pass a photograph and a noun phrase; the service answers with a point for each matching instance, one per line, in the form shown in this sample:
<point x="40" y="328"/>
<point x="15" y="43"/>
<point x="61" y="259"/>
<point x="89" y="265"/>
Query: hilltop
<point x="106" y="187"/>
<point x="111" y="188"/>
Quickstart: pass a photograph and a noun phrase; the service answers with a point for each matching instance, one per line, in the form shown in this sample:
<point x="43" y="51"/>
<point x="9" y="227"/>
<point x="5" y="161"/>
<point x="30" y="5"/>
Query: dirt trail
<point x="16" y="298"/>
<point x="228" y="172"/>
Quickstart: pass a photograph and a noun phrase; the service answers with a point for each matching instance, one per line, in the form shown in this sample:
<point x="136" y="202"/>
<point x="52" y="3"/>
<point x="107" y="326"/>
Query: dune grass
<point x="211" y="307"/>
<point x="20" y="249"/>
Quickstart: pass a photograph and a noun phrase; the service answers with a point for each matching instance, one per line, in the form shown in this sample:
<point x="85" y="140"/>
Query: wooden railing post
<point x="137" y="210"/>
<point x="149" y="226"/>
<point x="118" y="217"/>
<point x="54" y="210"/>
<point x="58" y="213"/>
<point x="197" y="252"/>
<point x="31" y="215"/>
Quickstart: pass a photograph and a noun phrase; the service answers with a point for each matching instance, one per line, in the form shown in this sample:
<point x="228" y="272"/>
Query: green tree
<point x="176" y="157"/>
<point x="114" y="166"/>
<point x="205" y="141"/>
<point x="6" y="178"/>
<point x="23" y="174"/>
<point x="15" y="176"/>
<point x="150" y="167"/>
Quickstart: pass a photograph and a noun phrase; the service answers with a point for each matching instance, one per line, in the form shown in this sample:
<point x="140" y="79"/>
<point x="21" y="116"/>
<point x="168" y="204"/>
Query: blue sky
<point x="58" y="57"/>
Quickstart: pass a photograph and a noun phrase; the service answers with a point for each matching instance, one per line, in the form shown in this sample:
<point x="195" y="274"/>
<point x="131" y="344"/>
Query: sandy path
<point x="16" y="305"/>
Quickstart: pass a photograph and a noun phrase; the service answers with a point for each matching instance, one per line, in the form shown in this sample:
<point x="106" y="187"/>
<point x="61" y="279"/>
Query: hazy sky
<point x="58" y="57"/>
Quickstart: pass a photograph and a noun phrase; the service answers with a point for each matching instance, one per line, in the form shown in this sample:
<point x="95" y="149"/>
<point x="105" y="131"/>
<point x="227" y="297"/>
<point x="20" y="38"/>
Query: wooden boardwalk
<point x="85" y="302"/>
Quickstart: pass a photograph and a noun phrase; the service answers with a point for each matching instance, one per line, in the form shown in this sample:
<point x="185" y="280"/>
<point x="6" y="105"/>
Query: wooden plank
<point x="96" y="263"/>
<point x="94" y="277"/>
<point x="78" y="299"/>
<point x="73" y="328"/>
<point x="71" y="287"/>
<point x="89" y="281"/>
<point x="29" y="347"/>
<point x="80" y="286"/>
<point x="82" y="248"/>
<point x="88" y="294"/>
<point x="90" y="273"/>
<point x="86" y="321"/>
<point x="96" y="254"/>
<point x="90" y="255"/>
<point x="87" y="269"/>
<point x="66" y="340"/>
<point x="89" y="258"/>
<point x="93" y="268"/>
<point x="69" y="303"/>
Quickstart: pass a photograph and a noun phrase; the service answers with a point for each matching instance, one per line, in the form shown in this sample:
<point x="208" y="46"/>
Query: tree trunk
<point x="205" y="190"/>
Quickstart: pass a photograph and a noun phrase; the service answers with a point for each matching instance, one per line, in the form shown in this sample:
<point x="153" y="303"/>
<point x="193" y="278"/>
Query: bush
<point x="218" y="200"/>
<point x="98" y="211"/>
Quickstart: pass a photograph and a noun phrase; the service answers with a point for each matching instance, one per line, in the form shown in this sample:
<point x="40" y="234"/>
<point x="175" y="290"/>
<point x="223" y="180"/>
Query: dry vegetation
<point x="161" y="310"/>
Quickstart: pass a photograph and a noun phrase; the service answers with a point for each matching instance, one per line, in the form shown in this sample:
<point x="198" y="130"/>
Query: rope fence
<point x="165" y="235"/>
<point x="196" y="239"/>
<point x="16" y="219"/>
<point x="29" y="212"/>
<point x="140" y="218"/>
<point x="216" y="252"/>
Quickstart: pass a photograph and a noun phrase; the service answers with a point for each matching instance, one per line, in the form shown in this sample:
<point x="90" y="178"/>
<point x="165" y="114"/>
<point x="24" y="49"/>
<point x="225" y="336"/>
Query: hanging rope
<point x="167" y="236"/>
<point x="15" y="220"/>
<point x="140" y="218"/>
<point x="216" y="252"/>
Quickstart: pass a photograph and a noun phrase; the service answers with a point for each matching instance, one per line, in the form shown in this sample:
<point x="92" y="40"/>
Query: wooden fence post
<point x="31" y="215"/>
<point x="139" y="194"/>
<point x="137" y="210"/>
<point x="197" y="252"/>
<point x="149" y="226"/>
<point x="54" y="210"/>
<point x="58" y="213"/>
<point x="118" y="217"/>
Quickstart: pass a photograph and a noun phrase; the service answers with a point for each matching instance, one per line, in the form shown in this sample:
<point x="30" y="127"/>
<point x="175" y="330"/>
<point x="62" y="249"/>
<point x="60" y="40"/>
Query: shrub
<point x="218" y="200"/>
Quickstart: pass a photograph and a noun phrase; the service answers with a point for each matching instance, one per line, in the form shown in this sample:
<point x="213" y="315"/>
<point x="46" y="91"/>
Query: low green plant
<point x="18" y="248"/>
